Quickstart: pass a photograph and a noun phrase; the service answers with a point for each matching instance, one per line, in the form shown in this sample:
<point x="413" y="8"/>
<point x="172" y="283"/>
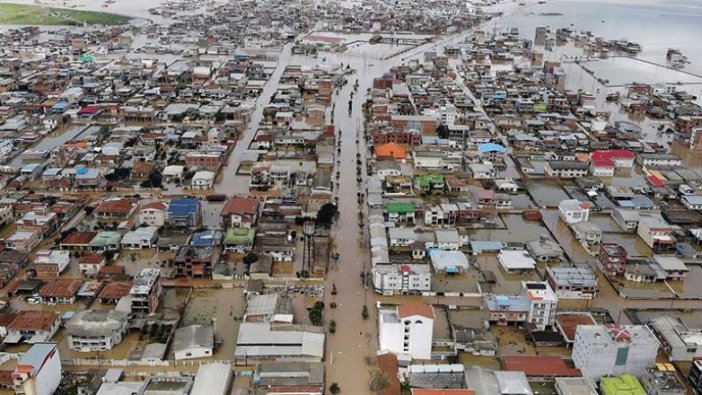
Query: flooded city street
<point x="350" y="197"/>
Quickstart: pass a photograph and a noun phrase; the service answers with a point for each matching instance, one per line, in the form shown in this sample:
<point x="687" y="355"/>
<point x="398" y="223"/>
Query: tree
<point x="334" y="388"/>
<point x="315" y="317"/>
<point x="364" y="313"/>
<point x="250" y="258"/>
<point x="332" y="326"/>
<point x="155" y="179"/>
<point x="442" y="131"/>
<point x="326" y="214"/>
<point x="379" y="380"/>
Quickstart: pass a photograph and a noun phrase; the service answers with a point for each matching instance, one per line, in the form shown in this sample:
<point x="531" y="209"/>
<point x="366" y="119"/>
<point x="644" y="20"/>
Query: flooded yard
<point x="560" y="231"/>
<point x="690" y="287"/>
<point x="515" y="229"/>
<point x="224" y="308"/>
<point x="506" y="283"/>
<point x="631" y="241"/>
<point x="464" y="282"/>
<point x="546" y="193"/>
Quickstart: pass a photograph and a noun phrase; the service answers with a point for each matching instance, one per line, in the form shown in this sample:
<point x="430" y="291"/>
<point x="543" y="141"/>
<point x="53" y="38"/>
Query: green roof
<point x="108" y="237"/>
<point x="429" y="179"/>
<point x="400" y="207"/>
<point x="626" y="384"/>
<point x="240" y="236"/>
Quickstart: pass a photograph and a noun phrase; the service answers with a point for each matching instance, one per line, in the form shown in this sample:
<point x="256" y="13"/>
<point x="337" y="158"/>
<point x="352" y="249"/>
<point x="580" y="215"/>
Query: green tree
<point x="315" y="316"/>
<point x="334" y="388"/>
<point x="442" y="131"/>
<point x="250" y="258"/>
<point x="326" y="214"/>
<point x="364" y="313"/>
<point x="378" y="381"/>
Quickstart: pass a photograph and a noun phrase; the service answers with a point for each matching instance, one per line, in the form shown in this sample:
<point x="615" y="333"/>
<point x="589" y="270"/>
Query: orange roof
<point x="60" y="288"/>
<point x="115" y="290"/>
<point x="33" y="320"/>
<point x="391" y="150"/>
<point x="424" y="391"/>
<point x="388" y="364"/>
<point x="415" y="308"/>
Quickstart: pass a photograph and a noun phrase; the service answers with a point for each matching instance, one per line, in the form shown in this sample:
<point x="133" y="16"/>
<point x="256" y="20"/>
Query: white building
<point x="513" y="261"/>
<point x="38" y="371"/>
<point x="194" y="341"/>
<point x="401" y="279"/>
<point x="212" y="379"/>
<point x="96" y="330"/>
<point x="612" y="350"/>
<point x="153" y="214"/>
<point x="146" y="291"/>
<point x="573" y="211"/>
<point x="407" y="330"/>
<point x="203" y="179"/>
<point x="141" y="237"/>
<point x="543" y="304"/>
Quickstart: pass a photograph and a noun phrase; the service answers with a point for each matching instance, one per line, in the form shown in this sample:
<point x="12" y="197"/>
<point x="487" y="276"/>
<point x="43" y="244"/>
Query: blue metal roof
<point x="183" y="206"/>
<point x="60" y="105"/>
<point x="491" y="147"/>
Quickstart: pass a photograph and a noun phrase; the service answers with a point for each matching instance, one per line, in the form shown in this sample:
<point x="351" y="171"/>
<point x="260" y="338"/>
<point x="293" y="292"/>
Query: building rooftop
<point x="193" y="336"/>
<point x="91" y="323"/>
<point x="212" y="379"/>
<point x="539" y="366"/>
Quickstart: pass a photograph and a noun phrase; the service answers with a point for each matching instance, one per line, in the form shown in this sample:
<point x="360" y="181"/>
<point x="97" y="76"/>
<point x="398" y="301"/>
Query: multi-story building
<point x="203" y="160"/>
<point x="240" y="211"/>
<point x="610" y="350"/>
<point x="146" y="291"/>
<point x="573" y="211"/>
<point x="96" y="330"/>
<point x="184" y="213"/>
<point x="401" y="279"/>
<point x="656" y="232"/>
<point x="572" y="282"/>
<point x="153" y="214"/>
<point x="43" y="222"/>
<point x="543" y="303"/>
<point x="612" y="258"/>
<point x="407" y="330"/>
<point x="662" y="380"/>
<point x="566" y="168"/>
<point x="38" y="371"/>
<point x="677" y="340"/>
<point x="51" y="263"/>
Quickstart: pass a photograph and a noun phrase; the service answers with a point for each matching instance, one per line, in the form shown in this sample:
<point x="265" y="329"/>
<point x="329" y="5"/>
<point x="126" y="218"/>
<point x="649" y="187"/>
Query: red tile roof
<point x="115" y="290"/>
<point x="154" y="206"/>
<point x="240" y="205"/>
<point x="568" y="323"/>
<point x="60" y="288"/>
<point x="118" y="206"/>
<point x="33" y="320"/>
<point x="415" y="308"/>
<point x="79" y="238"/>
<point x="540" y="366"/>
<point x="92" y="258"/>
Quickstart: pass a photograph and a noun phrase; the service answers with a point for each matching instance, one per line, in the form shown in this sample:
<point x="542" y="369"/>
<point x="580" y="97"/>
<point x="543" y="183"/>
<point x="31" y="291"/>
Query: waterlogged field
<point x="23" y="14"/>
